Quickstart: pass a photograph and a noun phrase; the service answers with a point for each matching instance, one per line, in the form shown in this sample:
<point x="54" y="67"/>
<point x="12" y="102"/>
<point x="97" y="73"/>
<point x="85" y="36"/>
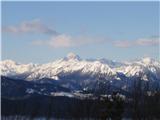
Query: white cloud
<point x="34" y="26"/>
<point x="60" y="41"/>
<point x="66" y="41"/>
<point x="139" y="42"/>
<point x="123" y="43"/>
<point x="148" y="42"/>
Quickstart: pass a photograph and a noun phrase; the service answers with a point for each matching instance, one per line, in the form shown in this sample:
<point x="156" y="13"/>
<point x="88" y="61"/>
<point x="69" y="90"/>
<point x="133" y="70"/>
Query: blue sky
<point x="44" y="31"/>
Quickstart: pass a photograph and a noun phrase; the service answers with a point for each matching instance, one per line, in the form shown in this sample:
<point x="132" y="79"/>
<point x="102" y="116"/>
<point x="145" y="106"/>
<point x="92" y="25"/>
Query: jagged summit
<point x="147" y="60"/>
<point x="72" y="56"/>
<point x="72" y="64"/>
<point x="9" y="62"/>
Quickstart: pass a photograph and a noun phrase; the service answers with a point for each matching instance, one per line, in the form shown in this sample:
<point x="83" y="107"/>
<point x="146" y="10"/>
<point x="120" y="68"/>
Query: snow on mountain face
<point x="142" y="68"/>
<point x="69" y="66"/>
<point x="11" y="68"/>
<point x="73" y="64"/>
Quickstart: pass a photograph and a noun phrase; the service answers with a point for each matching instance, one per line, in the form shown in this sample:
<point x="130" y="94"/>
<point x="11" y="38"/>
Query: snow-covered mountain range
<point x="72" y="75"/>
<point x="146" y="68"/>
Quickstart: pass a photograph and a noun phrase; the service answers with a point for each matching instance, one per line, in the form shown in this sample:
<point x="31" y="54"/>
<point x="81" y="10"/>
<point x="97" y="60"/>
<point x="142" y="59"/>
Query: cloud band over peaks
<point x="153" y="41"/>
<point x="66" y="41"/>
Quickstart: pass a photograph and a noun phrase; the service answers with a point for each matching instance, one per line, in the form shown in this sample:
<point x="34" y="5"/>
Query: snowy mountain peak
<point x="147" y="60"/>
<point x="72" y="56"/>
<point x="8" y="62"/>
